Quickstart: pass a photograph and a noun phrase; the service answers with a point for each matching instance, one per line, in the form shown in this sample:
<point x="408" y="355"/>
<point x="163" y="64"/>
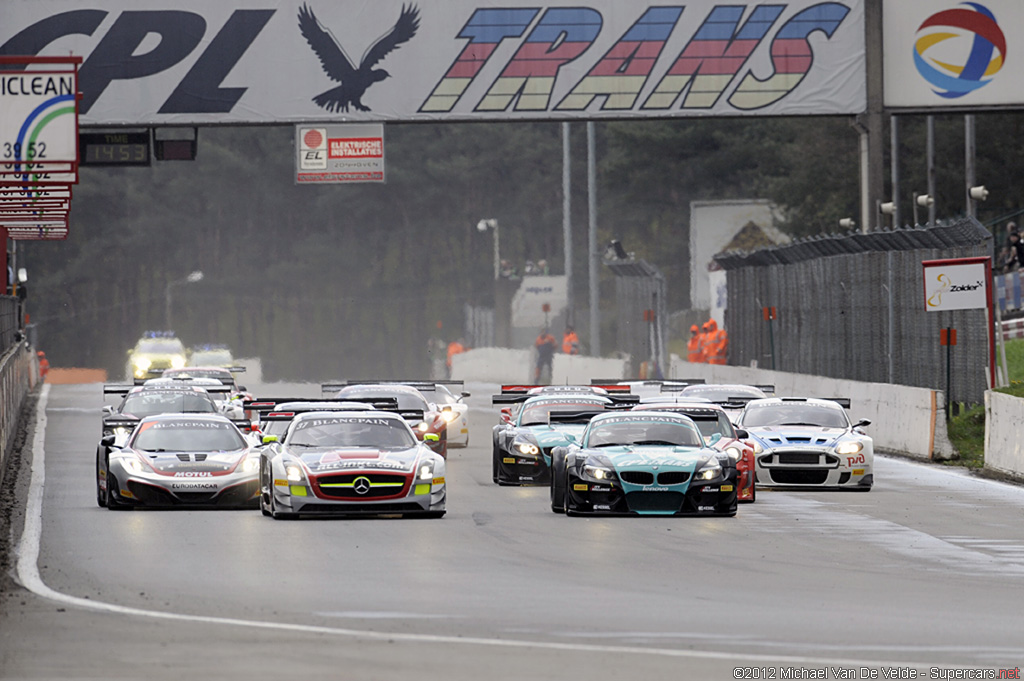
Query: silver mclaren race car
<point x="351" y="463"/>
<point x="179" y="460"/>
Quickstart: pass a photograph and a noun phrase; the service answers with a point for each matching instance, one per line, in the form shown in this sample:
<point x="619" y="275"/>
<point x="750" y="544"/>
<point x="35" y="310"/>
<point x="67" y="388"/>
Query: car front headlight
<point x="142" y="363"/>
<point x="847" y="448"/>
<point x="121" y="431"/>
<point x="178" y="362"/>
<point x="450" y="415"/>
<point x="133" y="466"/>
<point x="757" y="446"/>
<point x="709" y="471"/>
<point x="598" y="472"/>
<point x="250" y="465"/>
<point x="423" y="427"/>
<point x="426" y="471"/>
<point x="733" y="452"/>
<point x="527" y="448"/>
<point x="294" y="473"/>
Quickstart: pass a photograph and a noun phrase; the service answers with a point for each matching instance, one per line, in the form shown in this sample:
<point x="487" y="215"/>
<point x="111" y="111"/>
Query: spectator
<point x="507" y="271"/>
<point x="570" y="341"/>
<point x="542" y="267"/>
<point x="1013" y="256"/>
<point x="546" y="346"/>
<point x="693" y="353"/>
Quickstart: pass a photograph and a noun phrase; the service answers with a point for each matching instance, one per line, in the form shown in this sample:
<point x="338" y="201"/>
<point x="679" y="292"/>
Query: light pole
<point x="483" y="226"/>
<point x="190" y="279"/>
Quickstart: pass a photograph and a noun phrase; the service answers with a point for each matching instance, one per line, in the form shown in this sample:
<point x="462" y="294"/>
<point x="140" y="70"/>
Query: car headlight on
<point x="709" y="471"/>
<point x="294" y="473"/>
<point x="142" y="363"/>
<point x="599" y="472"/>
<point x="846" y="448"/>
<point x="757" y="446"/>
<point x="121" y="431"/>
<point x="250" y="465"/>
<point x="449" y="415"/>
<point x="733" y="452"/>
<point x="426" y="471"/>
<point x="423" y="427"/>
<point x="527" y="448"/>
<point x="133" y="466"/>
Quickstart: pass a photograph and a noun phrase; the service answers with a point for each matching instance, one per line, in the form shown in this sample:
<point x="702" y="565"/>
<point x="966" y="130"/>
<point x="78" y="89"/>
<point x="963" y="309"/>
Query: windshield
<point x="794" y="415"/>
<point x="640" y="432"/>
<point x="188" y="436"/>
<point x="367" y="431"/>
<point x="163" y="347"/>
<point x="537" y="413"/>
<point x="150" y="403"/>
<point x="720" y="393"/>
<point x="713" y="425"/>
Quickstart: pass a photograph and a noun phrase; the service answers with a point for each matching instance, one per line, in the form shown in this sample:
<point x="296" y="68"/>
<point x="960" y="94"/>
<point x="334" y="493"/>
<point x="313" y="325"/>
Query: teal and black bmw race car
<point x="642" y="463"/>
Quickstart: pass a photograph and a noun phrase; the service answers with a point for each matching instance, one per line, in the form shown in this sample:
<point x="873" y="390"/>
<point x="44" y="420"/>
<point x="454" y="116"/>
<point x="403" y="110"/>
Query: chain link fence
<point x="853" y="307"/>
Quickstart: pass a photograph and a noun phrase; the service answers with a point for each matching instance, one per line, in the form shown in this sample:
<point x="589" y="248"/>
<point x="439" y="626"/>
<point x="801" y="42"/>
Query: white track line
<point x="28" y="576"/>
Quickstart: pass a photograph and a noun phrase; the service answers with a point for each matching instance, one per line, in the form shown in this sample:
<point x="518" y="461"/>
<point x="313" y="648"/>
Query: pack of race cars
<point x="381" y="447"/>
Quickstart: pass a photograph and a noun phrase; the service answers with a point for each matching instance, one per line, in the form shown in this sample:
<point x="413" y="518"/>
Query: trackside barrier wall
<point x="1004" y="446"/>
<point x="19" y="371"/>
<point x="904" y="420"/>
<point x="505" y="365"/>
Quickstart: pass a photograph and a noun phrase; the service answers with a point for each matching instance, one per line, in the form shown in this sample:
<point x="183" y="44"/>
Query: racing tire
<point x="495" y="454"/>
<point x="112" y="503"/>
<point x="558" y="482"/>
<point x="101" y="494"/>
<point x="264" y="509"/>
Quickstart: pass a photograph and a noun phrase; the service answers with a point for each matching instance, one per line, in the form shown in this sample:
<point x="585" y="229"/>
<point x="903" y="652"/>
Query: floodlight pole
<point x="190" y="279"/>
<point x="595" y="319"/>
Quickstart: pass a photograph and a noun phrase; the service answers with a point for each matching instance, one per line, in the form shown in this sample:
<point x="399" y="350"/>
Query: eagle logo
<point x="336" y="63"/>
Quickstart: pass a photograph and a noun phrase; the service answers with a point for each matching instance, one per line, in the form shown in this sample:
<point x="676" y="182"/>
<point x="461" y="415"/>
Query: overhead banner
<point x="944" y="54"/>
<point x="195" y="62"/>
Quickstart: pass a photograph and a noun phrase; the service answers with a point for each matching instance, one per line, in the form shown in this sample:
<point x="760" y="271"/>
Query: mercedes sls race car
<point x="179" y="460"/>
<point x="425" y="417"/>
<point x="522" y="443"/>
<point x="805" y="442"/>
<point x="351" y="463"/>
<point x="642" y="463"/>
<point x="718" y="431"/>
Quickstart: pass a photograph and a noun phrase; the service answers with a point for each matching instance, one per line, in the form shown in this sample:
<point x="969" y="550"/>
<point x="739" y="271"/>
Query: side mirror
<point x="108" y="440"/>
<point x="108" y="410"/>
<point x="570" y="437"/>
<point x="862" y="422"/>
<point x="506" y="415"/>
<point x="241" y="388"/>
<point x="431" y="437"/>
<point x="463" y="394"/>
<point x="267" y="439"/>
<point x="714" y="438"/>
<point x="742" y="434"/>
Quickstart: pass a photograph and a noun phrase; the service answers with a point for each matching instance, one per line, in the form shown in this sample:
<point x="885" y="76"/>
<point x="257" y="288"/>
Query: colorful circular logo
<point x="959" y="50"/>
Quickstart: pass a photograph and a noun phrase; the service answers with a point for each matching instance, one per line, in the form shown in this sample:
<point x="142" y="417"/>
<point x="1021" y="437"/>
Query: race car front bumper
<point x="715" y="497"/>
<point x="523" y="469"/>
<point x="238" y="490"/>
<point x="794" y="467"/>
<point x="303" y="498"/>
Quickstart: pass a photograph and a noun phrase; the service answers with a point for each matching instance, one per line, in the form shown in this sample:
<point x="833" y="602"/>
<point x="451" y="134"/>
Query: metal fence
<point x="641" y="314"/>
<point x="853" y="307"/>
<point x="10" y="321"/>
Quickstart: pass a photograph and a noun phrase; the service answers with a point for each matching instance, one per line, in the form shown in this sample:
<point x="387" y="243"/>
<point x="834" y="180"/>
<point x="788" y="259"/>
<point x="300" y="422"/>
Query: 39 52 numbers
<point x="36" y="150"/>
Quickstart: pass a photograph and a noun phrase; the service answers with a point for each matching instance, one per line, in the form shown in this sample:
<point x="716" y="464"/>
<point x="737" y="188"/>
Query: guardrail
<point x="19" y="373"/>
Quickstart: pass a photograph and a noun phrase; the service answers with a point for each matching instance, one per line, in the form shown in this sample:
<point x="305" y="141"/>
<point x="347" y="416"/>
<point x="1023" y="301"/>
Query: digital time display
<point x="114" y="148"/>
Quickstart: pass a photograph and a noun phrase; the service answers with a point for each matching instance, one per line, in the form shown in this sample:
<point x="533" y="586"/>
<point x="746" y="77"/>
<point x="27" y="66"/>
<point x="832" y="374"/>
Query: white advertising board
<point x="952" y="285"/>
<point x="193" y="62"/>
<point x="948" y="54"/>
<point x="335" y="154"/>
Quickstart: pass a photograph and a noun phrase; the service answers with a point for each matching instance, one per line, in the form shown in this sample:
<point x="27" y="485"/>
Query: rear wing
<point x="267" y="404"/>
<point x="620" y="399"/>
<point x="117" y="388"/>
<point x="733" y="402"/>
<point x="843" y="402"/>
<point x="119" y="421"/>
<point x="419" y="384"/>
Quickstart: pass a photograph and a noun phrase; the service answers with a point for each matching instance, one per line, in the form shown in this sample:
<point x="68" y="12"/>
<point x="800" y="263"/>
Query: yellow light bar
<point x="421" y="489"/>
<point x="298" y="490"/>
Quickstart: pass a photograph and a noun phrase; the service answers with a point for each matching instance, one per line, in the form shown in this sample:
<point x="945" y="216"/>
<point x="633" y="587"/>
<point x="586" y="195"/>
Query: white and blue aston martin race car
<point x="807" y="442"/>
